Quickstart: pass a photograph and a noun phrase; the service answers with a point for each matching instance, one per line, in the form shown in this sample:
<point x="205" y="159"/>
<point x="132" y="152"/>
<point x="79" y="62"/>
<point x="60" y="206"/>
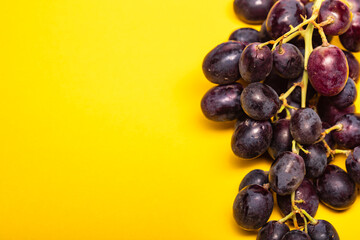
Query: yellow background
<point x="101" y="133"/>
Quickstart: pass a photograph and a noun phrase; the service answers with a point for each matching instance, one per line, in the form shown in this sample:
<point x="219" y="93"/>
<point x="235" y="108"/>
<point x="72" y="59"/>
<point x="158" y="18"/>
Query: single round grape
<point x="296" y="235"/>
<point x="354" y="5"/>
<point x="272" y="230"/>
<point x="323" y="230"/>
<point x="331" y="114"/>
<point x="335" y="188"/>
<point x="349" y="136"/>
<point x="221" y="65"/>
<point x="328" y="70"/>
<point x="263" y="33"/>
<point x="286" y="173"/>
<point x="305" y="126"/>
<point x="296" y="94"/>
<point x="288" y="61"/>
<point x="351" y="38"/>
<point x="306" y="192"/>
<point x="282" y="139"/>
<point x="257" y="176"/>
<point x="339" y="12"/>
<point x="251" y="138"/>
<point x="253" y="12"/>
<point x="354" y="66"/>
<point x="353" y="165"/>
<point x="252" y="207"/>
<point x="282" y="15"/>
<point x="245" y="35"/>
<point x="259" y="101"/>
<point x="255" y="63"/>
<point x="315" y="160"/>
<point x="276" y="82"/>
<point x="222" y="103"/>
<point x="346" y="97"/>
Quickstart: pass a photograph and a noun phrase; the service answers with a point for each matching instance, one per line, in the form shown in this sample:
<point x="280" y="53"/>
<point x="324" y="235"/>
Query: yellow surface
<point x="102" y="136"/>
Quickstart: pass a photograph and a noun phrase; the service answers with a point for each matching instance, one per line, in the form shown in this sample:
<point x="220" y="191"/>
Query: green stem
<point x="311" y="219"/>
<point x="287" y="217"/>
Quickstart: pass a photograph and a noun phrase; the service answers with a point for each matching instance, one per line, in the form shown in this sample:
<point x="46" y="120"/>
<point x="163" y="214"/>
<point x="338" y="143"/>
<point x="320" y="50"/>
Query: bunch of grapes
<point x="292" y="95"/>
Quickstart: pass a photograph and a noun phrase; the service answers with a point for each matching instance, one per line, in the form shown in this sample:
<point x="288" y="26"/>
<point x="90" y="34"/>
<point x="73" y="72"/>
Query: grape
<point x="252" y="207"/>
<point x="335" y="188"/>
<point x="259" y="101"/>
<point x="255" y="63"/>
<point x="222" y="103"/>
<point x="253" y="12"/>
<point x="351" y="38"/>
<point x="296" y="94"/>
<point x="315" y="161"/>
<point x="286" y="173"/>
<point x="245" y="35"/>
<point x="349" y="136"/>
<point x="306" y="192"/>
<point x="220" y="65"/>
<point x="328" y="70"/>
<point x="331" y="114"/>
<point x="276" y="82"/>
<point x="353" y="165"/>
<point x="288" y="62"/>
<point x="272" y="230"/>
<point x="340" y="12"/>
<point x="323" y="230"/>
<point x="251" y="138"/>
<point x="354" y="5"/>
<point x="296" y="235"/>
<point x="282" y="15"/>
<point x="263" y="34"/>
<point x="256" y="176"/>
<point x="305" y="126"/>
<point x="354" y="66"/>
<point x="346" y="97"/>
<point x="282" y="138"/>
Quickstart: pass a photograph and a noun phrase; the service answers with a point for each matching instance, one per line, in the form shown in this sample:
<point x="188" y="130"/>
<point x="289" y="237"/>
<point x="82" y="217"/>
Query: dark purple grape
<point x="346" y="97"/>
<point x="221" y="65"/>
<point x="272" y="230"/>
<point x="349" y="136"/>
<point x="282" y="15"/>
<point x="354" y="66"/>
<point x="308" y="9"/>
<point x="305" y="126"/>
<point x="288" y="61"/>
<point x="222" y="103"/>
<point x="331" y="114"/>
<point x="340" y="12"/>
<point x="255" y="63"/>
<point x="353" y="165"/>
<point x="282" y="139"/>
<point x="354" y="5"/>
<point x="256" y="176"/>
<point x="306" y="192"/>
<point x="315" y="160"/>
<point x="296" y="235"/>
<point x="253" y="12"/>
<point x="323" y="230"/>
<point x="251" y="138"/>
<point x="245" y="35"/>
<point x="286" y="173"/>
<point x="259" y="101"/>
<point x="263" y="33"/>
<point x="351" y="38"/>
<point x="328" y="70"/>
<point x="276" y="82"/>
<point x="335" y="188"/>
<point x="252" y="207"/>
<point x="296" y="94"/>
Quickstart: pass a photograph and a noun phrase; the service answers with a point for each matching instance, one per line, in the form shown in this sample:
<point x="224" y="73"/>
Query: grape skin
<point x="305" y="126"/>
<point x="256" y="176"/>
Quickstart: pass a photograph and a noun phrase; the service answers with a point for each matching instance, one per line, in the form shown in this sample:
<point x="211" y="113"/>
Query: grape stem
<point x="336" y="127"/>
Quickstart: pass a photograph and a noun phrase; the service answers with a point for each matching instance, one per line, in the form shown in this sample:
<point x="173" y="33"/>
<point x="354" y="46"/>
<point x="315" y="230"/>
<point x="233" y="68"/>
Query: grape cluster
<point x="291" y="95"/>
